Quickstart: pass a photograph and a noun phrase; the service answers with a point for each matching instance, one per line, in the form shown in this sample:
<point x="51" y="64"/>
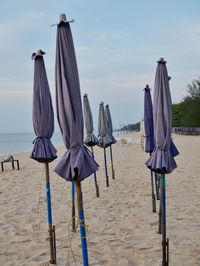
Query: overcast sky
<point x="117" y="44"/>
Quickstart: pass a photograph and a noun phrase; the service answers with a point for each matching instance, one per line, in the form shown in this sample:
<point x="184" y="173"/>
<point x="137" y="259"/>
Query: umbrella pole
<point x="157" y="185"/>
<point x="95" y="177"/>
<point x="160" y="208"/>
<point x="52" y="238"/>
<point x="153" y="194"/>
<point x="82" y="223"/>
<point x="106" y="170"/>
<point x="165" y="241"/>
<point x="111" y="158"/>
<point x="73" y="209"/>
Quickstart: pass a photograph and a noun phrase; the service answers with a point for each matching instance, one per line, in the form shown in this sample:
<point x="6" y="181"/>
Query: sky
<point x="117" y="46"/>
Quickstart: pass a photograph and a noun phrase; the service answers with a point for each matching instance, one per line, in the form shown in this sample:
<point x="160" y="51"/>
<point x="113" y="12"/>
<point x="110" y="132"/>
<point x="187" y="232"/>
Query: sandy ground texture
<point x="121" y="228"/>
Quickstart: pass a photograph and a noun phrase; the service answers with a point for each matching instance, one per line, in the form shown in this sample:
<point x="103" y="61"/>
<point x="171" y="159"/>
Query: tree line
<point x="184" y="114"/>
<point x="187" y="112"/>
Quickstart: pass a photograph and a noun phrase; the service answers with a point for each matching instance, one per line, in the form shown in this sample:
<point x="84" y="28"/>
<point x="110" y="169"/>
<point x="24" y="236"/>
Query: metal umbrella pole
<point x="73" y="209"/>
<point x="95" y="177"/>
<point x="112" y="165"/>
<point x="165" y="240"/>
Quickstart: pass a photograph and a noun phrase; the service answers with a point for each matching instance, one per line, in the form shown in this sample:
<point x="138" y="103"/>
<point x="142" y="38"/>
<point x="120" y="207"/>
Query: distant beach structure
<point x="186" y="130"/>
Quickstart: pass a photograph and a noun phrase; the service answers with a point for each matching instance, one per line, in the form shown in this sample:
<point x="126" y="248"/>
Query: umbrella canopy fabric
<point x="148" y="121"/>
<point x="109" y="124"/>
<point x="77" y="161"/>
<point x="162" y="160"/>
<point x="104" y="138"/>
<point x="91" y="139"/>
<point x="43" y="117"/>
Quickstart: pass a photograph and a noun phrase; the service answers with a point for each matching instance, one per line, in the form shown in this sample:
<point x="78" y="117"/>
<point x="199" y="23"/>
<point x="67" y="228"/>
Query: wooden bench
<point x="13" y="164"/>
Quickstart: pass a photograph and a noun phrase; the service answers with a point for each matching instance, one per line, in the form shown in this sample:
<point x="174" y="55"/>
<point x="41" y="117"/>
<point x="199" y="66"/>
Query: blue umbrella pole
<point x="157" y="185"/>
<point x="82" y="223"/>
<point x="52" y="238"/>
<point x="73" y="209"/>
<point x="112" y="165"/>
<point x="153" y="194"/>
<point x="95" y="177"/>
<point x="106" y="170"/>
<point x="160" y="208"/>
<point x="165" y="241"/>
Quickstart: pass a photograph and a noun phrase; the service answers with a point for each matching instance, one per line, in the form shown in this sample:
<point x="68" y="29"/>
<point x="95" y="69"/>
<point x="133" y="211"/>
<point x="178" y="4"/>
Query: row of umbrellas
<point x="158" y="143"/>
<point x="77" y="163"/>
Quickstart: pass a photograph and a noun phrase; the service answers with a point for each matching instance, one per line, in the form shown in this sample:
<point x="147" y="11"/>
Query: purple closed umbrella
<point x="43" y="118"/>
<point x="149" y="134"/>
<point x="162" y="160"/>
<point x="77" y="163"/>
<point x="110" y="134"/>
<point x="43" y="123"/>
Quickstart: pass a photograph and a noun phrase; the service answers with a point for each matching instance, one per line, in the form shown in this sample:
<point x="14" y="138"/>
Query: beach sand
<point x="121" y="228"/>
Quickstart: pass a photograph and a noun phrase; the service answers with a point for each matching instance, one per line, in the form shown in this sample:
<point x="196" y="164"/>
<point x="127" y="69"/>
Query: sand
<point x="121" y="228"/>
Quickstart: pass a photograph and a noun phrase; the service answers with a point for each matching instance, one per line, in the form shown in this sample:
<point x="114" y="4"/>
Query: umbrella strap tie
<point x="82" y="224"/>
<point x="80" y="147"/>
<point x="40" y="137"/>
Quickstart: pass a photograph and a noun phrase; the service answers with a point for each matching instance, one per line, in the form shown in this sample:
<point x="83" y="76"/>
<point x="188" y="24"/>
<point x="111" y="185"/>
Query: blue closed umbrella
<point x="149" y="134"/>
<point x="43" y="123"/>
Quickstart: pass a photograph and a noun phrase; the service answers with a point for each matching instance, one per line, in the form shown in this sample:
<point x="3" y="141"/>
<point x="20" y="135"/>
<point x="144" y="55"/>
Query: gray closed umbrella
<point x="43" y="117"/>
<point x="109" y="124"/>
<point x="162" y="160"/>
<point x="77" y="163"/>
<point x="104" y="139"/>
<point x="110" y="134"/>
<point x="43" y="123"/>
<point x="90" y="139"/>
<point x="69" y="110"/>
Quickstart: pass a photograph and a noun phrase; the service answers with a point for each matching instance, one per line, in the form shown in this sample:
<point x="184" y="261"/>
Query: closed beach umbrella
<point x="90" y="140"/>
<point x="110" y="134"/>
<point x="148" y="121"/>
<point x="77" y="162"/>
<point x="161" y="160"/>
<point x="149" y="134"/>
<point x="43" y="123"/>
<point x="104" y="139"/>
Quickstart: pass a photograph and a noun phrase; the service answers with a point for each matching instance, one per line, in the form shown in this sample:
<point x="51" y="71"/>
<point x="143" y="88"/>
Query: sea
<point x="11" y="143"/>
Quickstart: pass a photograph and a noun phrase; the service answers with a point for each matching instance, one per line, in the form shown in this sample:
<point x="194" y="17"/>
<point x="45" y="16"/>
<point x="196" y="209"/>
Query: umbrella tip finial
<point x="62" y="17"/>
<point x="161" y="60"/>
